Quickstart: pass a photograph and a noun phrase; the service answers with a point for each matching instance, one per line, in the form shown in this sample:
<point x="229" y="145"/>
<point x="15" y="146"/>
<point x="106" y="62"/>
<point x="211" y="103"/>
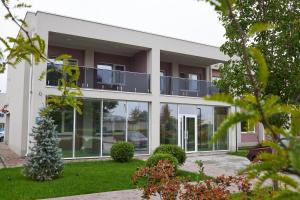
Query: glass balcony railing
<point x="103" y="79"/>
<point x="186" y="87"/>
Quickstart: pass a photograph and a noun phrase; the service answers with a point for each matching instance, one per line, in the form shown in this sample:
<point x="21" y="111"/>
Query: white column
<point x="261" y="132"/>
<point x="208" y="74"/>
<point x="89" y="58"/>
<point x="153" y="67"/>
<point x="89" y="72"/>
<point x="233" y="134"/>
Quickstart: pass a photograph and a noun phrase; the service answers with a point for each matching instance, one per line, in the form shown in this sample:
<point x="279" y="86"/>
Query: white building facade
<point x="137" y="87"/>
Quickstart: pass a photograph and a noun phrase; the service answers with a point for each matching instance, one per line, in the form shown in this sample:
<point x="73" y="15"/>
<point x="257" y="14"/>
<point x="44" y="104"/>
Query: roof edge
<point x="115" y="26"/>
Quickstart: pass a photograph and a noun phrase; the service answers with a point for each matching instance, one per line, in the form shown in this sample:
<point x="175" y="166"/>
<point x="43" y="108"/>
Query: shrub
<point x="155" y="158"/>
<point x="160" y="179"/>
<point x="174" y="150"/>
<point x="122" y="151"/>
<point x="44" y="162"/>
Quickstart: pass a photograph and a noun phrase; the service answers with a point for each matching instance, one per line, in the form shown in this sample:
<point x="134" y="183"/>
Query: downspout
<point x="29" y="101"/>
<point x="236" y="134"/>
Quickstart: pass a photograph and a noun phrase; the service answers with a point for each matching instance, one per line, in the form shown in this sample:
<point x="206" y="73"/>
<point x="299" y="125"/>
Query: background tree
<point x="280" y="47"/>
<point x="259" y="107"/>
<point x="44" y="162"/>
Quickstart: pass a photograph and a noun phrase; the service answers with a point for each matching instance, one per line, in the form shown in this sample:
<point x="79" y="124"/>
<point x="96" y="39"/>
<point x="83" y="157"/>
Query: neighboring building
<point x="139" y="87"/>
<point x="247" y="136"/>
<point x="3" y="102"/>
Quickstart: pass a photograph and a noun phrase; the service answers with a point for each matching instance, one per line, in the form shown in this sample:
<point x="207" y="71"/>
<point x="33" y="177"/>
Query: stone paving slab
<point x="10" y="158"/>
<point x="216" y="165"/>
<point x="115" y="195"/>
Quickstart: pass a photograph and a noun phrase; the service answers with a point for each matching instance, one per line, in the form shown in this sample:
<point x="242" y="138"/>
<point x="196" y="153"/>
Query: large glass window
<point x="114" y="124"/>
<point x="220" y="115"/>
<point x="168" y="124"/>
<point x="88" y="129"/>
<point x="112" y="118"/>
<point x="64" y="119"/>
<point x="138" y="126"/>
<point x="205" y="128"/>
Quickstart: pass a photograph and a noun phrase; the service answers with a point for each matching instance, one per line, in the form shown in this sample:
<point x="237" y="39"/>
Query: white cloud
<point x="184" y="19"/>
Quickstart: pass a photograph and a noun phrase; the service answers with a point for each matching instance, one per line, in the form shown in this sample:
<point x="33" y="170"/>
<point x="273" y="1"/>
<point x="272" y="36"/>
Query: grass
<point x="78" y="178"/>
<point x="242" y="153"/>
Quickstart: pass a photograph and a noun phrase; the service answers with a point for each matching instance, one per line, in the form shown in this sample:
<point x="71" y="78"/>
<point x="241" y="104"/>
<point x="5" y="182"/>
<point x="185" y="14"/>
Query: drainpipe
<point x="236" y="134"/>
<point x="29" y="102"/>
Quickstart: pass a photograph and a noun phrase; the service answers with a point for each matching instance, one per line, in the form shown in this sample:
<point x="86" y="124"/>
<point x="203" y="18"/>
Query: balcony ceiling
<point x="71" y="41"/>
<point x="184" y="59"/>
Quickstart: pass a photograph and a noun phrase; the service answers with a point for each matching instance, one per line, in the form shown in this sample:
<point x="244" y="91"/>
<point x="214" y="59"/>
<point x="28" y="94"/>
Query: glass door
<point x="188" y="132"/>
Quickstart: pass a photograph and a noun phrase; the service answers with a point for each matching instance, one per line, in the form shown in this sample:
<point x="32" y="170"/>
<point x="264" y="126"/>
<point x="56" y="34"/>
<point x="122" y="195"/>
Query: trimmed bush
<point x="155" y="158"/>
<point x="122" y="151"/>
<point x="172" y="149"/>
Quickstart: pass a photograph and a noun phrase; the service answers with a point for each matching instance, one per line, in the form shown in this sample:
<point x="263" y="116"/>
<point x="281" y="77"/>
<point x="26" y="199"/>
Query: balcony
<point x="102" y="79"/>
<point x="186" y="87"/>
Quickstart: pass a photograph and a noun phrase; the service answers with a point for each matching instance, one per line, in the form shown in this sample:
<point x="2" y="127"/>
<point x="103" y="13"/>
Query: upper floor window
<point x="111" y="74"/>
<point x="58" y="63"/>
<point x="111" y="67"/>
<point x="193" y="81"/>
<point x="215" y="78"/>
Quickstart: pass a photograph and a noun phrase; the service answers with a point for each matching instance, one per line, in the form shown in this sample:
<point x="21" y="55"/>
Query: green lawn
<point x="78" y="178"/>
<point x="242" y="153"/>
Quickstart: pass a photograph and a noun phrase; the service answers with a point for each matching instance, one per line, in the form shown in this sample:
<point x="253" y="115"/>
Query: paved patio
<point x="214" y="165"/>
<point x="8" y="158"/>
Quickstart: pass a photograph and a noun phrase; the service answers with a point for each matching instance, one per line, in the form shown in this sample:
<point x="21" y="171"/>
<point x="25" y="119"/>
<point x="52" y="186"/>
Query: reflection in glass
<point x="220" y="115"/>
<point x="114" y="124"/>
<point x="190" y="128"/>
<point x="205" y="128"/>
<point x="138" y="126"/>
<point x="64" y="120"/>
<point x="188" y="109"/>
<point x="168" y="124"/>
<point x="88" y="129"/>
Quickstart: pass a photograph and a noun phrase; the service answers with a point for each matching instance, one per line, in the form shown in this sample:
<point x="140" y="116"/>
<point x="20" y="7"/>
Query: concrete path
<point x="8" y="157"/>
<point x="214" y="165"/>
<point x="115" y="195"/>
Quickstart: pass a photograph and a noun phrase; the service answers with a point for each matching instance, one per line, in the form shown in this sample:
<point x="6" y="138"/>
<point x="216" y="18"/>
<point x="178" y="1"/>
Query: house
<point x="138" y="87"/>
<point x="3" y="112"/>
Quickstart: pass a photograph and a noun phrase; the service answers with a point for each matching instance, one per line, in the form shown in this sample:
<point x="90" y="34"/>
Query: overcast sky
<point x="185" y="19"/>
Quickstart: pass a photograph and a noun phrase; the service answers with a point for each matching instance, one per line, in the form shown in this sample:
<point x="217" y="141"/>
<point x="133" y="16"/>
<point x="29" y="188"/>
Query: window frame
<point x="249" y="131"/>
<point x="113" y="65"/>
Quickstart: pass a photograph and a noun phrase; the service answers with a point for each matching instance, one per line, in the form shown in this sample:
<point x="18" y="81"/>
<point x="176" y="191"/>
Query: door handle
<point x="186" y="135"/>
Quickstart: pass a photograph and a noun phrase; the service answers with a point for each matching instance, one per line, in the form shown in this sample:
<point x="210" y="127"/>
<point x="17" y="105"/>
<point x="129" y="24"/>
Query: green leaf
<point x="259" y="27"/>
<point x="229" y="122"/>
<point x="263" y="72"/>
<point x="286" y="194"/>
<point x="221" y="97"/>
<point x="294" y="153"/>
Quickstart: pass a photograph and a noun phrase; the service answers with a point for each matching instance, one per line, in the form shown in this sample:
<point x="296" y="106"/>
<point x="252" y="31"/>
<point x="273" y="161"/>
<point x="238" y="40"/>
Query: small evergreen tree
<point x="44" y="162"/>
